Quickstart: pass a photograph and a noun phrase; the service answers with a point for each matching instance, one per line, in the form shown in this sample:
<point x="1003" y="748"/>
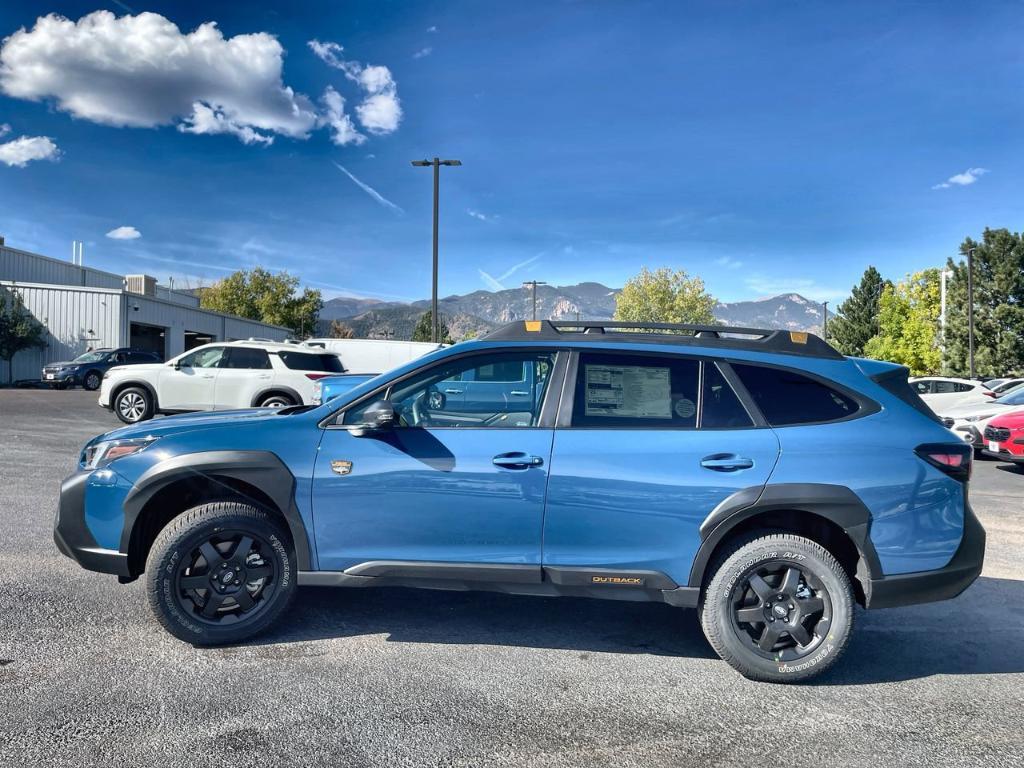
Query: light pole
<point x="824" y="321"/>
<point x="436" y="163"/>
<point x="534" y="284"/>
<point x="970" y="310"/>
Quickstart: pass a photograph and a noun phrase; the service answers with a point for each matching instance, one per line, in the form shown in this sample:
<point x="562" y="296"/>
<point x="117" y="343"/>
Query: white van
<point x="374" y="355"/>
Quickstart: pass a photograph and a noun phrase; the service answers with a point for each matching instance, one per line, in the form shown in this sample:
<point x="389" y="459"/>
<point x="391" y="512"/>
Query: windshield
<point x="1015" y="397"/>
<point x="91" y="357"/>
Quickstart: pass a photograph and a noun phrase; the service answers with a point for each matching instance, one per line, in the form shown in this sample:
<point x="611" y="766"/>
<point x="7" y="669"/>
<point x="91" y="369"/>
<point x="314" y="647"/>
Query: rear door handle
<point x="520" y="392"/>
<point x="516" y="460"/>
<point x="453" y="391"/>
<point x="726" y="462"/>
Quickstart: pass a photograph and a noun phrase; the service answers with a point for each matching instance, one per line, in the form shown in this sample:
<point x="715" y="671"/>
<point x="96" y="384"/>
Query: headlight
<point x="102" y="453"/>
<point x="980" y="418"/>
<point x="318" y="389"/>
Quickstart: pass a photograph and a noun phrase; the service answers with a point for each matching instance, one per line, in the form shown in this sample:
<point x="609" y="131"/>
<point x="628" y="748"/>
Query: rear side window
<point x="504" y="372"/>
<point x="247" y="357"/>
<point x="616" y="391"/>
<point x="304" y="361"/>
<point x="922" y="387"/>
<point x="786" y="397"/>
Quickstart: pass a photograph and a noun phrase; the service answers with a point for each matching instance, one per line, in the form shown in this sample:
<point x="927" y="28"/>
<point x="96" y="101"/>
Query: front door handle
<point x="521" y="392"/>
<point x="516" y="460"/>
<point x="453" y="391"/>
<point x="726" y="462"/>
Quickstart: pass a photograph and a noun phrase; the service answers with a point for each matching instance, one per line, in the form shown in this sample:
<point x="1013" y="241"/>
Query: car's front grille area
<point x="998" y="434"/>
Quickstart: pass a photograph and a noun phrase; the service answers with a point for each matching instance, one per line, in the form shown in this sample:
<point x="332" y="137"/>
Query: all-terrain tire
<point x="731" y="595"/>
<point x="170" y="568"/>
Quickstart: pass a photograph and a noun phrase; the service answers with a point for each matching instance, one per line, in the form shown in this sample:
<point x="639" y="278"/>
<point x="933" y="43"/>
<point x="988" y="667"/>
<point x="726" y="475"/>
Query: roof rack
<point x="725" y="336"/>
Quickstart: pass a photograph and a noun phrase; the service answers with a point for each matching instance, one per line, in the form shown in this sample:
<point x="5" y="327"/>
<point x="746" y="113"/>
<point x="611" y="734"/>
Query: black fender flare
<point x="278" y="388"/>
<point x="261" y="469"/>
<point x="836" y="503"/>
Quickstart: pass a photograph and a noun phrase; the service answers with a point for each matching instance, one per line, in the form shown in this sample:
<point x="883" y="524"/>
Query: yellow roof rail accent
<point x="533" y="325"/>
<point x="798" y="337"/>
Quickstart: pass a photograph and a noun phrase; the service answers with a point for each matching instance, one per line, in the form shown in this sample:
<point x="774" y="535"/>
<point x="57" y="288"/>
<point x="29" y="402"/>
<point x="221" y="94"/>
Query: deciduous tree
<point x="908" y="324"/>
<point x="261" y="295"/>
<point x="665" y="296"/>
<point x="19" y="330"/>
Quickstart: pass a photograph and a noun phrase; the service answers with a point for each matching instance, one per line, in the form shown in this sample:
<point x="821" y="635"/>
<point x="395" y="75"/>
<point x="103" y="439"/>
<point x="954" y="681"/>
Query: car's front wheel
<point x="778" y="608"/>
<point x="220" y="573"/>
<point x="133" y="404"/>
<point x="91" y="381"/>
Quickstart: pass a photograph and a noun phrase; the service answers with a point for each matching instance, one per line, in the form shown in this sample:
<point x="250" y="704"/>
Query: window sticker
<point x="628" y="391"/>
<point x="685" y="408"/>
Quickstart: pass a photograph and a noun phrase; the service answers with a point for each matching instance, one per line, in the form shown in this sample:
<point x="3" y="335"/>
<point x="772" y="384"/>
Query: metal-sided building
<point x="85" y="308"/>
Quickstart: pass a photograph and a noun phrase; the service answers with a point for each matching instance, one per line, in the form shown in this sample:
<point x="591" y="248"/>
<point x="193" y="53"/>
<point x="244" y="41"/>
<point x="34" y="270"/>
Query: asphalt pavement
<point x="394" y="677"/>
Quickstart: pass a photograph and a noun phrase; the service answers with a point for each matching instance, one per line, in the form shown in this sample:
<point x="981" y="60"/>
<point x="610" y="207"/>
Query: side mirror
<point x="378" y="417"/>
<point x="175" y="365"/>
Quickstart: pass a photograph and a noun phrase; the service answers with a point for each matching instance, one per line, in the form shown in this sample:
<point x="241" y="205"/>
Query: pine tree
<point x="998" y="307"/>
<point x="424" y="329"/>
<point x="856" y="319"/>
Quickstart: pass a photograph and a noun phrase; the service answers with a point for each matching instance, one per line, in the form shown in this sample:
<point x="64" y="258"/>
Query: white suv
<point x="220" y="376"/>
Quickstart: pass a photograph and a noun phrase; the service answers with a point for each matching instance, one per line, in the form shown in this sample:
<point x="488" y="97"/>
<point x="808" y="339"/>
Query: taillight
<point x="315" y="376"/>
<point x="989" y="394"/>
<point x="954" y="460"/>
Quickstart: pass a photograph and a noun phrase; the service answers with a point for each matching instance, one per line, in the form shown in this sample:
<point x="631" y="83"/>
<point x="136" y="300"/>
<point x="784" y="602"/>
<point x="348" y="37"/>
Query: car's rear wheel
<point x="91" y="381"/>
<point x="133" y="404"/>
<point x="220" y="573"/>
<point x="778" y="608"/>
<point x="276" y="400"/>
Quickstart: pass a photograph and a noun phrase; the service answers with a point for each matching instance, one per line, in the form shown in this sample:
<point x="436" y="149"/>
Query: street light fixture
<point x="534" y="284"/>
<point x="436" y="163"/>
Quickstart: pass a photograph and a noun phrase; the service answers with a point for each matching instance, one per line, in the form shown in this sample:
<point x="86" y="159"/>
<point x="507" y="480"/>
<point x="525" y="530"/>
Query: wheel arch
<point x="177" y="484"/>
<point x="120" y="387"/>
<point x="832" y="515"/>
<point x="277" y="389"/>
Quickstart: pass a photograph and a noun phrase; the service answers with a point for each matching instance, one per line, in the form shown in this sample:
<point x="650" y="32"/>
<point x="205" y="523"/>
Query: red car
<point x="1004" y="438"/>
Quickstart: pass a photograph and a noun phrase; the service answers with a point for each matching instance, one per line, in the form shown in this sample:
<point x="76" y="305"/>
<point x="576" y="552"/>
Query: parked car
<point x="87" y="369"/>
<point x="969" y="420"/>
<point x="767" y="481"/>
<point x="1004" y="438"/>
<point x="220" y="376"/>
<point x="374" y="355"/>
<point x="993" y="383"/>
<point x="1006" y="386"/>
<point x="940" y="393"/>
<point x="330" y="387"/>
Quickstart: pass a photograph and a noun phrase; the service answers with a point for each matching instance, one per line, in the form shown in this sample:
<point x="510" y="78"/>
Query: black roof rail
<point x="724" y="336"/>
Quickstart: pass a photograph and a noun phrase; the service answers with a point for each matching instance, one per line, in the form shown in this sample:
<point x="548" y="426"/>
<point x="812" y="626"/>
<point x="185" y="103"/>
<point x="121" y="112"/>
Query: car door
<point x="647" y="445"/>
<point x="438" y="491"/>
<point x="242" y="373"/>
<point x="190" y="382"/>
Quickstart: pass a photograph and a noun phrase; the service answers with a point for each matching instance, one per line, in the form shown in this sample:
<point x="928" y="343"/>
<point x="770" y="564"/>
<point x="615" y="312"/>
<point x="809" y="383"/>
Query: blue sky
<point x="765" y="147"/>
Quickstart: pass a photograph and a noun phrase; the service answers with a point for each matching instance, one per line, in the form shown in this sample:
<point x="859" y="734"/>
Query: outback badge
<point x="632" y="581"/>
<point x="340" y="467"/>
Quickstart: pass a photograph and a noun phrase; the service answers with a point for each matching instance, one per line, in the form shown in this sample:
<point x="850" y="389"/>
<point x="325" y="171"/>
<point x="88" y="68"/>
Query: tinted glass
<point x="964" y="387"/>
<point x="622" y="391"/>
<point x="506" y="371"/>
<point x="304" y="361"/>
<point x="721" y="408"/>
<point x="91" y="357"/>
<point x="922" y="387"/>
<point x="204" y="358"/>
<point x="247" y="357"/>
<point x="944" y="387"/>
<point x="427" y="400"/>
<point x="787" y="397"/>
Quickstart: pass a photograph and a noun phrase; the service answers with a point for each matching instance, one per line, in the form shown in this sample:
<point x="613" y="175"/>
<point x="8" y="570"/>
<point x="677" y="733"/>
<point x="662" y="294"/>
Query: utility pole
<point x="824" y="322"/>
<point x="970" y="310"/>
<point x="945" y="274"/>
<point x="436" y="163"/>
<point x="533" y="284"/>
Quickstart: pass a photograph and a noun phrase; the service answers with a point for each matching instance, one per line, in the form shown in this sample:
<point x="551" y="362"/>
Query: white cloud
<point x="342" y="129"/>
<point x="481" y="216"/>
<point x="124" y="233"/>
<point x="23" y="150"/>
<point x="369" y="190"/>
<point x="728" y="262"/>
<point x="964" y="179"/>
<point x="380" y="111"/>
<point x="4" y="129"/>
<point x="142" y="71"/>
<point x="432" y="28"/>
<point x="423" y="52"/>
<point x="495" y="283"/>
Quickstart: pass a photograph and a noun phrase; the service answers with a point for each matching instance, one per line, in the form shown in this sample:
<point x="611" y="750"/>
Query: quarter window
<point x="786" y="397"/>
<point x="248" y="358"/>
<point x="304" y="361"/>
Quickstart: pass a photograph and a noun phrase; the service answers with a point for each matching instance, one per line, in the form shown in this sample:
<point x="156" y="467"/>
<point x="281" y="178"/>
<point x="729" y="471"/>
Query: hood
<point x="62" y="364"/>
<point x="138" y="367"/>
<point x="187" y="422"/>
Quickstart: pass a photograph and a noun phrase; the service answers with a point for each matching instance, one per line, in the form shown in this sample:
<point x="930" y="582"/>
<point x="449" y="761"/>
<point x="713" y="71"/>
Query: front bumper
<point x="72" y="536"/>
<point x="58" y="377"/>
<point x="940" y="584"/>
<point x="1017" y="458"/>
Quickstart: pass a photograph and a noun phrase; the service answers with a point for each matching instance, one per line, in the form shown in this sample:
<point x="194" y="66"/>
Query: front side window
<point x="209" y="357"/>
<point x="460" y="394"/>
<point x="615" y="390"/>
<point x="786" y="397"/>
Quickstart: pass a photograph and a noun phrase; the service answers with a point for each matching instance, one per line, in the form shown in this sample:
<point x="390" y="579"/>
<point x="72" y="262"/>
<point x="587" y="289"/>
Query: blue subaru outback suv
<point x="757" y="476"/>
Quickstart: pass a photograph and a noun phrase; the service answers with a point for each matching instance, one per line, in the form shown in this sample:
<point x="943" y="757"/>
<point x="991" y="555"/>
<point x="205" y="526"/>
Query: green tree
<point x="856" y="319"/>
<point x="261" y="295"/>
<point x="424" y="329"/>
<point x="19" y="330"/>
<point x="998" y="306"/>
<point x="665" y="296"/>
<point x="908" y="324"/>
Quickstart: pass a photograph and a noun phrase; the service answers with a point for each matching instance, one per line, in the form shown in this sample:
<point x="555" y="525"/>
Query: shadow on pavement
<point x="980" y="632"/>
